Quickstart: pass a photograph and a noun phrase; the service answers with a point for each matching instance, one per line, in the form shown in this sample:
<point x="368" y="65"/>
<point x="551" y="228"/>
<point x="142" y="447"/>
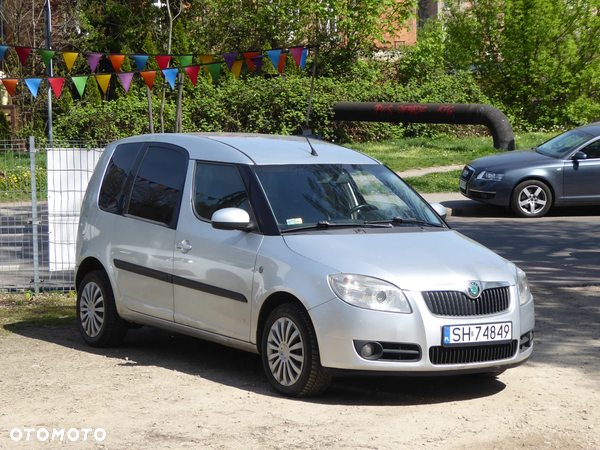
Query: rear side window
<point x="111" y="192"/>
<point x="218" y="186"/>
<point x="156" y="193"/>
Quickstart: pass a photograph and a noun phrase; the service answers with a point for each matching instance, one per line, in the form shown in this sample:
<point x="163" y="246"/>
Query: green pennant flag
<point x="80" y="83"/>
<point x="215" y="71"/>
<point x="47" y="56"/>
<point x="185" y="60"/>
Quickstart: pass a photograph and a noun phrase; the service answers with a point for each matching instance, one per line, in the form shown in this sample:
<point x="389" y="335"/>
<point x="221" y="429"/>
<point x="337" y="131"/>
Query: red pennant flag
<point x="116" y="61"/>
<point x="297" y="54"/>
<point x="10" y="85"/>
<point x="249" y="56"/>
<point x="22" y="52"/>
<point x="57" y="85"/>
<point x="281" y="64"/>
<point x="149" y="77"/>
<point x="163" y="61"/>
<point x="192" y="72"/>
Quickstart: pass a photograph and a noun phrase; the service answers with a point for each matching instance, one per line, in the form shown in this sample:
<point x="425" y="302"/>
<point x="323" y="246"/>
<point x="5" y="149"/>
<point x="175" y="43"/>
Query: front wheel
<point x="290" y="353"/>
<point x="531" y="198"/>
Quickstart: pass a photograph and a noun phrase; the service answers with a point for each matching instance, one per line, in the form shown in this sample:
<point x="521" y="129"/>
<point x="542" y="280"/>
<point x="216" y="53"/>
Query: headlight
<point x="490" y="176"/>
<point x="369" y="293"/>
<point x="523" y="287"/>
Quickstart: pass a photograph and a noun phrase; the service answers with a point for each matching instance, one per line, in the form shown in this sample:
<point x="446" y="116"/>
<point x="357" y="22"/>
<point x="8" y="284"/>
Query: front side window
<point x="156" y="193"/>
<point x="218" y="186"/>
<point x="563" y="144"/>
<point x="301" y="195"/>
<point x="111" y="192"/>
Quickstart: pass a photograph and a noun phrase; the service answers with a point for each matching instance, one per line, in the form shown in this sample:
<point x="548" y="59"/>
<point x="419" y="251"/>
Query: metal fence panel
<point x="61" y="176"/>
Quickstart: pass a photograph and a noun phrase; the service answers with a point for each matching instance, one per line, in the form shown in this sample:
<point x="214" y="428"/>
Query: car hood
<point x="410" y="260"/>
<point x="520" y="158"/>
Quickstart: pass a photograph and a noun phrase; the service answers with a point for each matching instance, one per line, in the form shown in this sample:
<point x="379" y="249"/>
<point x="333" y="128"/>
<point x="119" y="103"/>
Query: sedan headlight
<point x="369" y="293"/>
<point x="523" y="287"/>
<point x="490" y="176"/>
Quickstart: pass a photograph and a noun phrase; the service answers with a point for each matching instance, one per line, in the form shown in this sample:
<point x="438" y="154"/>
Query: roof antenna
<point x="307" y="133"/>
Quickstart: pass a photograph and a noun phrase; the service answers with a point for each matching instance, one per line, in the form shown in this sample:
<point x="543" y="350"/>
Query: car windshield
<point x="323" y="195"/>
<point x="563" y="144"/>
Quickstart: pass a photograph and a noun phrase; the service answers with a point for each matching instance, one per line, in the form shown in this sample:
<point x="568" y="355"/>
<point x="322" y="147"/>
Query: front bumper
<point x="493" y="192"/>
<point x="341" y="330"/>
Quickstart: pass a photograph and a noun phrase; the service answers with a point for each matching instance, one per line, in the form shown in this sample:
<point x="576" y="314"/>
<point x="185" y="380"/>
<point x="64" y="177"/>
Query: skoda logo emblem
<point x="474" y="289"/>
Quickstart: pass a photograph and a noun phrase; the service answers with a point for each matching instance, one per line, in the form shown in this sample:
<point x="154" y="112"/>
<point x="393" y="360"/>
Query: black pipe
<point x="487" y="115"/>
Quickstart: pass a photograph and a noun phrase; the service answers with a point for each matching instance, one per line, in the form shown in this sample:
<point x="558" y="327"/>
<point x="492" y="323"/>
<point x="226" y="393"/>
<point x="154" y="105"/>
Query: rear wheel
<point x="99" y="322"/>
<point x="290" y="353"/>
<point x="531" y="198"/>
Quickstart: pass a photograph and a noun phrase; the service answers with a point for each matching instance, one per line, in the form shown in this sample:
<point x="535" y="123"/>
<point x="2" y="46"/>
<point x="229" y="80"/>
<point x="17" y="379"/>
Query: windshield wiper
<point x="406" y="221"/>
<point x="326" y="225"/>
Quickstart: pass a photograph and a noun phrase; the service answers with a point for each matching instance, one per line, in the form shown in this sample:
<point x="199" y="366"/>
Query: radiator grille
<point x="472" y="354"/>
<point x="455" y="303"/>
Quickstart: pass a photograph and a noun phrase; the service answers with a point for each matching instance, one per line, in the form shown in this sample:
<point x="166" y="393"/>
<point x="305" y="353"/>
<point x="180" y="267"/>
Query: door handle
<point x="184" y="246"/>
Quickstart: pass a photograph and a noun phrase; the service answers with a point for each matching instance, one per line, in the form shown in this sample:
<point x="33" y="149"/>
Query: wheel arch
<point x="87" y="265"/>
<point x="535" y="178"/>
<point x="272" y="302"/>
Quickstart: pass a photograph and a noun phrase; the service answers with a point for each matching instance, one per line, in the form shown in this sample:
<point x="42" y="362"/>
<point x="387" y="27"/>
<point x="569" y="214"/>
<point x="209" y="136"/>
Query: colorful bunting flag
<point x="193" y="73"/>
<point x="103" y="81"/>
<point x="126" y="80"/>
<point x="80" y="83"/>
<point x="257" y="61"/>
<point x="117" y="61"/>
<point x="33" y="84"/>
<point x="149" y="77"/>
<point x="236" y="67"/>
<point x="281" y="64"/>
<point x="70" y="58"/>
<point x="3" y="49"/>
<point x="140" y="61"/>
<point x="10" y="84"/>
<point x="47" y="56"/>
<point x="229" y="59"/>
<point x="184" y="60"/>
<point x="94" y="59"/>
<point x="163" y="61"/>
<point x="57" y="85"/>
<point x="303" y="58"/>
<point x="22" y="52"/>
<point x="215" y="71"/>
<point x="274" y="57"/>
<point x="249" y="56"/>
<point x="170" y="75"/>
<point x="297" y="54"/>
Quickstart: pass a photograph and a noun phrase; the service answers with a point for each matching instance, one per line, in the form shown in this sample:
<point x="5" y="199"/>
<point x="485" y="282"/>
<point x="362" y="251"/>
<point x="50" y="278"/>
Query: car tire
<point x="531" y="198"/>
<point x="290" y="353"/>
<point x="99" y="322"/>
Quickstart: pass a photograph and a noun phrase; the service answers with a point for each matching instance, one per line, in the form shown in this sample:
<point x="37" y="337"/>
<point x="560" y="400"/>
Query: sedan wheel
<point x="290" y="353"/>
<point x="531" y="199"/>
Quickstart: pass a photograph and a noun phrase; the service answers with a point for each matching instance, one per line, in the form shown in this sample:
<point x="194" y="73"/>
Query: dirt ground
<point x="161" y="391"/>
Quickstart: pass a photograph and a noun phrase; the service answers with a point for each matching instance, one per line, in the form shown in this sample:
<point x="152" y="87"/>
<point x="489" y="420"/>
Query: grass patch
<point x="435" y="182"/>
<point x="46" y="309"/>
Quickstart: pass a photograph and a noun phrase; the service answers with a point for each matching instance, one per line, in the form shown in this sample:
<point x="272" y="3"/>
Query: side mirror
<point x="230" y="219"/>
<point x="579" y="155"/>
<point x="440" y="209"/>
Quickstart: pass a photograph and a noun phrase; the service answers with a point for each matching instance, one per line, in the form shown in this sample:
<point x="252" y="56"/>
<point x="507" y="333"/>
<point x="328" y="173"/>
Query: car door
<point x="143" y="236"/>
<point x="582" y="176"/>
<point x="214" y="269"/>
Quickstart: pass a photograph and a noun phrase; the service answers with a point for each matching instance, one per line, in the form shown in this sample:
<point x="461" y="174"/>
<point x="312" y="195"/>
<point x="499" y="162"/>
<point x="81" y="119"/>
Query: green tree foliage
<point x="539" y="58"/>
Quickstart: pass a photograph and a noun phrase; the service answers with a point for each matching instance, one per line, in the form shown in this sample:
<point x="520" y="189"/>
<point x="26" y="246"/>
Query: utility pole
<point x="48" y="31"/>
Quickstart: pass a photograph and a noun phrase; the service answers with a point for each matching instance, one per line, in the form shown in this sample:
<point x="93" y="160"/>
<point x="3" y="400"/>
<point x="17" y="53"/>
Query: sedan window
<point x="563" y="144"/>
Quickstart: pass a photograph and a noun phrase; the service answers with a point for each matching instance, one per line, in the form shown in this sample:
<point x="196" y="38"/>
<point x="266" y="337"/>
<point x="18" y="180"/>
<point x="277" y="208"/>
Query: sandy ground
<point x="161" y="391"/>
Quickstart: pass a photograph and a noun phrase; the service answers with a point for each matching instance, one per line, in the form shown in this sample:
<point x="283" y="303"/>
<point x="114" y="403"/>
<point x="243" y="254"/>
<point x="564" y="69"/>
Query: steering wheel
<point x="362" y="206"/>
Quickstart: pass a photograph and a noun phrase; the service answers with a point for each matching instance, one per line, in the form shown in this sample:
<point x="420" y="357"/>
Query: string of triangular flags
<point x="254" y="60"/>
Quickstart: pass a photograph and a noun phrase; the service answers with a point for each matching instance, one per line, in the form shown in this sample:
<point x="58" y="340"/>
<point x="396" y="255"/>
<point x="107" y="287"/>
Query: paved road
<point x="562" y="248"/>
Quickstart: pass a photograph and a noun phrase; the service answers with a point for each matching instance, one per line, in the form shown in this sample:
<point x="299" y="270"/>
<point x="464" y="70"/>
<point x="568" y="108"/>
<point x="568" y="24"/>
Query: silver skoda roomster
<point x="315" y="256"/>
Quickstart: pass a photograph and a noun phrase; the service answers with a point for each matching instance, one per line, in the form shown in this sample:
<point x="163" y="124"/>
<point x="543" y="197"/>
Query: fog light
<point x="367" y="351"/>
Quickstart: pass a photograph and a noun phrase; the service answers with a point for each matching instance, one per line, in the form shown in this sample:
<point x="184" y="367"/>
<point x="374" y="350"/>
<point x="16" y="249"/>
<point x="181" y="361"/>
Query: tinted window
<point x="593" y="150"/>
<point x="218" y="186"/>
<point x="111" y="192"/>
<point x="157" y="189"/>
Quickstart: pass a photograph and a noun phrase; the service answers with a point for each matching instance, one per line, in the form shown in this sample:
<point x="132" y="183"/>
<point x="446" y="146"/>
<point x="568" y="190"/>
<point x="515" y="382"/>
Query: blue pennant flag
<point x="140" y="61"/>
<point x="3" y="49"/>
<point x="170" y="75"/>
<point x="33" y="84"/>
<point x="303" y="58"/>
<point x="274" y="57"/>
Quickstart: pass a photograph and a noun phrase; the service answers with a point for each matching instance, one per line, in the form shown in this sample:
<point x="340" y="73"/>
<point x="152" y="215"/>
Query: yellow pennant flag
<point x="236" y="68"/>
<point x="103" y="81"/>
<point x="206" y="59"/>
<point x="70" y="58"/>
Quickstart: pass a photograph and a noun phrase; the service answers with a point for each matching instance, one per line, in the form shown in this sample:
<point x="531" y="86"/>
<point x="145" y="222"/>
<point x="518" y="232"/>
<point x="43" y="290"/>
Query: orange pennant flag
<point x="236" y="68"/>
<point x="103" y="81"/>
<point x="149" y="77"/>
<point x="116" y="61"/>
<point x="10" y="85"/>
<point x="206" y="59"/>
<point x="70" y="58"/>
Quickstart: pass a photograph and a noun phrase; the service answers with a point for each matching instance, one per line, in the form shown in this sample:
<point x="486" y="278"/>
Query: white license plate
<point x="462" y="184"/>
<point x="469" y="334"/>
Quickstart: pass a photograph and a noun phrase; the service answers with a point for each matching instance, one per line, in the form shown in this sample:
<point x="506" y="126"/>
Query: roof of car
<point x="247" y="148"/>
<point x="591" y="128"/>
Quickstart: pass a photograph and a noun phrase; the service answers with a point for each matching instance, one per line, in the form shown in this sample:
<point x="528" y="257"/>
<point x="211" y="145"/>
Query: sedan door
<point x="214" y="269"/>
<point x="582" y="176"/>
